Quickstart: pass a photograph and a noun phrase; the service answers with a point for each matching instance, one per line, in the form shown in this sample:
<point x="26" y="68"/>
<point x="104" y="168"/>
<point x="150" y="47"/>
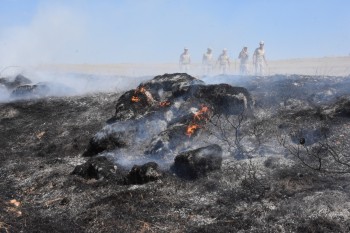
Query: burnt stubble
<point x="291" y="134"/>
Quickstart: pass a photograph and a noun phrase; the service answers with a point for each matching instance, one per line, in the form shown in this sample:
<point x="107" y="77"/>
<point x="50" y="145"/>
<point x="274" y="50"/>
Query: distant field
<point x="330" y="66"/>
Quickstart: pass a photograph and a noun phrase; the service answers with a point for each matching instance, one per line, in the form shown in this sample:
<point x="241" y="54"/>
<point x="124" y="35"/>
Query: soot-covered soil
<point x="43" y="140"/>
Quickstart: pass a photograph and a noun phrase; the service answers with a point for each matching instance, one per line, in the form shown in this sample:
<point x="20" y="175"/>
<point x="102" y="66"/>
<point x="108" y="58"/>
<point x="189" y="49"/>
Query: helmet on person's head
<point x="262" y="42"/>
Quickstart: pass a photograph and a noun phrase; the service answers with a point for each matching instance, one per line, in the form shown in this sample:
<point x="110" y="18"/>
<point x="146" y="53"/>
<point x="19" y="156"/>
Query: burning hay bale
<point x="164" y="116"/>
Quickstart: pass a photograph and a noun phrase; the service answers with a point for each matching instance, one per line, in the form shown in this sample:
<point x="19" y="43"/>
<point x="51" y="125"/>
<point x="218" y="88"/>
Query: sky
<point x="156" y="31"/>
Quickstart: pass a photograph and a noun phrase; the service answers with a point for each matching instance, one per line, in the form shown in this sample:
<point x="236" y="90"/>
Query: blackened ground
<point x="42" y="141"/>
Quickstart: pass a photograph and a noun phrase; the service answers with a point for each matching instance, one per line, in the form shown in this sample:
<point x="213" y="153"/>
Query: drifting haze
<point x="50" y="36"/>
<point x="156" y="31"/>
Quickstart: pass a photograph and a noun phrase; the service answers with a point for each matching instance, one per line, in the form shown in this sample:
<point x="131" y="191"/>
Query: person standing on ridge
<point x="224" y="61"/>
<point x="259" y="59"/>
<point x="243" y="56"/>
<point x="208" y="61"/>
<point x="185" y="60"/>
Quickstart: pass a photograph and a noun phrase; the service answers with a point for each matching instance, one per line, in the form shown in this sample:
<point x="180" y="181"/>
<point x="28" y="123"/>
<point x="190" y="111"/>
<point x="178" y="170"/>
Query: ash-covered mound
<point x="21" y="87"/>
<point x="165" y="116"/>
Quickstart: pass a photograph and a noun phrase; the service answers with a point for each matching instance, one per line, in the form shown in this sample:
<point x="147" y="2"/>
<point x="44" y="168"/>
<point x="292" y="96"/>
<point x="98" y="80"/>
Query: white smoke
<point x="51" y="36"/>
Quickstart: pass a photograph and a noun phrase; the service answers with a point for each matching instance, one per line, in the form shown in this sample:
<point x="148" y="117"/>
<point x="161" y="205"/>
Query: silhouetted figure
<point x="224" y="61"/>
<point x="185" y="61"/>
<point x="244" y="56"/>
<point x="259" y="60"/>
<point x="208" y="61"/>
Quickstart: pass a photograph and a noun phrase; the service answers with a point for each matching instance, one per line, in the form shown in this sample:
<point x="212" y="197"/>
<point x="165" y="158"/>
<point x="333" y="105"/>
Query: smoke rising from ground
<point x="70" y="84"/>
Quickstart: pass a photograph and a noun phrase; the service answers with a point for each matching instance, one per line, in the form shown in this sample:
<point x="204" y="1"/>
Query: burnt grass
<point x="43" y="140"/>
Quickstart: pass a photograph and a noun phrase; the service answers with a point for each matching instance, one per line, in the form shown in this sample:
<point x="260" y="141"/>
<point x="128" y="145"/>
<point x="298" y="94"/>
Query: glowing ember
<point x="164" y="103"/>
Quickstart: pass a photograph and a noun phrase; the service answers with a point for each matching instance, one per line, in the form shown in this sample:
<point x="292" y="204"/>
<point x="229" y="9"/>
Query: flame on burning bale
<point x="143" y="91"/>
<point x="191" y="129"/>
<point x="199" y="117"/>
<point x="135" y="99"/>
<point x="150" y="100"/>
<point x="202" y="114"/>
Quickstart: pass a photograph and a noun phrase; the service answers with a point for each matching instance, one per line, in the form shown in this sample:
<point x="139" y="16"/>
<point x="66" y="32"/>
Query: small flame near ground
<point x="135" y="98"/>
<point x="200" y="117"/>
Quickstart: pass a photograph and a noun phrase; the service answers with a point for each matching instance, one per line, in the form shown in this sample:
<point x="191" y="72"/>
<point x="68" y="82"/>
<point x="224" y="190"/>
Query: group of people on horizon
<point x="223" y="61"/>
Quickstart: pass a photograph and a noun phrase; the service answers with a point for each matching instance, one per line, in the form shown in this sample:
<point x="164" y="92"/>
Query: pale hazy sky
<point x="121" y="31"/>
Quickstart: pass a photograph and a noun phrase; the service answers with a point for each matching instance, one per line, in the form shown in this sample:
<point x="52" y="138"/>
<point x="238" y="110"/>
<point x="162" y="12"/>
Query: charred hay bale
<point x="107" y="143"/>
<point x="126" y="109"/>
<point x="173" y="83"/>
<point x="197" y="163"/>
<point x="17" y="81"/>
<point x="30" y="91"/>
<point x="141" y="174"/>
<point x="99" y="168"/>
<point x="224" y="98"/>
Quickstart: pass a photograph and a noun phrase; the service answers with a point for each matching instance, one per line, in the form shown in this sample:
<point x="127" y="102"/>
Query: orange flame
<point x="142" y="91"/>
<point x="135" y="99"/>
<point x="191" y="129"/>
<point x="198" y="117"/>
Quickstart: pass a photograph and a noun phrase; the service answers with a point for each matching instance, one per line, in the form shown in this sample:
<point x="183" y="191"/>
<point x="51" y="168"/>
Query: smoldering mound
<point x="153" y="122"/>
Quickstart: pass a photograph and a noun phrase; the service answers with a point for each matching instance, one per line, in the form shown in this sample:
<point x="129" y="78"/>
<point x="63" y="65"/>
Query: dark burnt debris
<point x="246" y="154"/>
<point x="144" y="173"/>
<point x="196" y="163"/>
